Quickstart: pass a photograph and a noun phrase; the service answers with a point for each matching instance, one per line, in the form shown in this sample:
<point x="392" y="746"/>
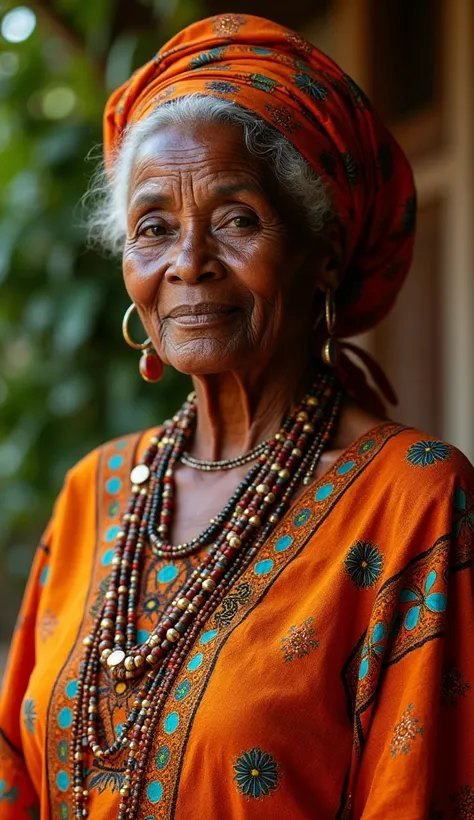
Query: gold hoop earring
<point x="150" y="365"/>
<point x="329" y="352"/>
<point x="126" y="335"/>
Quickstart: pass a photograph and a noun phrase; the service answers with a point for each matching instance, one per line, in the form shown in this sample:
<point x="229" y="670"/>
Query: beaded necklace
<point x="233" y="538"/>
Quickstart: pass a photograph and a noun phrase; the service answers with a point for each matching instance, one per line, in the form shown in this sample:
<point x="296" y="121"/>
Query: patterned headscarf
<point x="301" y="92"/>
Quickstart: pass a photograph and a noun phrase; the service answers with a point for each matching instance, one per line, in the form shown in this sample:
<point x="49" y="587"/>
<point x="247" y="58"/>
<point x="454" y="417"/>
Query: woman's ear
<point x="331" y="259"/>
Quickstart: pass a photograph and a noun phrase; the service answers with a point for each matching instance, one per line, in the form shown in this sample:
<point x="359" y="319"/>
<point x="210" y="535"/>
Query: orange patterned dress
<point x="336" y="680"/>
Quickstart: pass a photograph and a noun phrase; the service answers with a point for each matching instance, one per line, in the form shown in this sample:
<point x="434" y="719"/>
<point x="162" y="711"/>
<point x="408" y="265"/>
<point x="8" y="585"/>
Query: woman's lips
<point x="203" y="315"/>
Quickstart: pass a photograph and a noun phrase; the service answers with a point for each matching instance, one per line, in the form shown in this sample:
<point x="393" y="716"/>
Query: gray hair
<point x="107" y="197"/>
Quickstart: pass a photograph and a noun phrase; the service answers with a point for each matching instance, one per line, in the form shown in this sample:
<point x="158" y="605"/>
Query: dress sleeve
<point x="415" y="736"/>
<point x="18" y="799"/>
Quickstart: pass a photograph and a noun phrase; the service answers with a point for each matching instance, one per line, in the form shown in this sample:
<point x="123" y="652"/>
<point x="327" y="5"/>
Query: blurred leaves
<point x="67" y="380"/>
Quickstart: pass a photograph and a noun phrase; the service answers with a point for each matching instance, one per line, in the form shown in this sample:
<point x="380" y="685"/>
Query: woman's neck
<point x="235" y="412"/>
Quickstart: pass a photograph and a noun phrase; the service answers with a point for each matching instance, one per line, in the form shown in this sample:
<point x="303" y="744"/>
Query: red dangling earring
<point x="150" y="365"/>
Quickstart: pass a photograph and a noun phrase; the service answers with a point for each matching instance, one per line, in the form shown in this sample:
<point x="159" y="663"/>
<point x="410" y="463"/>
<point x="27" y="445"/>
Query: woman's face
<point x="221" y="269"/>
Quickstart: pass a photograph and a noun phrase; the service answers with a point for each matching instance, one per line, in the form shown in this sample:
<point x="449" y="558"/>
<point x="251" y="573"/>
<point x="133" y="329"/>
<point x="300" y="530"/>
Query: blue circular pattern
<point x="167" y="574"/>
<point x="142" y="635"/>
<point x="71" y="689"/>
<point x="264" y="567"/>
<point x="154" y="791"/>
<point x="195" y="662"/>
<point x="65" y="718"/>
<point x="346" y="467"/>
<point x="112" y="533"/>
<point x="44" y="575"/>
<point x="324" y="492"/>
<point x="302" y="517"/>
<point x="208" y="636"/>
<point x="62" y="781"/>
<point x="171" y="723"/>
<point x="182" y="690"/>
<point x="115" y="462"/>
<point x="283" y="543"/>
<point x="107" y="557"/>
<point x="113" y="485"/>
<point x="162" y="757"/>
<point x="120" y="445"/>
<point x="150" y="817"/>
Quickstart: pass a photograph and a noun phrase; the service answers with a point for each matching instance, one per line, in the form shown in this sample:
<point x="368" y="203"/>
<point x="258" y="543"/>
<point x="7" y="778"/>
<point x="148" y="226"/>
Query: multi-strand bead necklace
<point x="232" y="538"/>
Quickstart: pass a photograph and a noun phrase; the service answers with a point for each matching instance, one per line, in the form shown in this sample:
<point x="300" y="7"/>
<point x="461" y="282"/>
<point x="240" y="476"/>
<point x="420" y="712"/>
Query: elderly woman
<point x="262" y="608"/>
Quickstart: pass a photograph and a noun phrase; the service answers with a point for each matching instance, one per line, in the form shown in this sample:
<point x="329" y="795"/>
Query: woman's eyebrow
<point x="149" y="199"/>
<point x="237" y="188"/>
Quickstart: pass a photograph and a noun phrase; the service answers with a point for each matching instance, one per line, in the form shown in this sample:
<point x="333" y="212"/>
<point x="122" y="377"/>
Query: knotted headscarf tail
<point x="289" y="83"/>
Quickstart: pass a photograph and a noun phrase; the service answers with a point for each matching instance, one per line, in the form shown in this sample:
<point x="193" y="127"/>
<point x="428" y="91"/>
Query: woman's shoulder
<point x="116" y="455"/>
<point x="417" y="460"/>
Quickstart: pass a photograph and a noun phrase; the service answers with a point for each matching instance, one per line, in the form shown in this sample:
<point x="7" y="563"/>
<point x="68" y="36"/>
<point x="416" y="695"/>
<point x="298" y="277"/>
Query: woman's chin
<point x="201" y="357"/>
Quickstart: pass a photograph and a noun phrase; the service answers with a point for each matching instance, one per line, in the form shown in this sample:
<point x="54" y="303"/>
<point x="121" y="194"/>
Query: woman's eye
<point x="153" y="230"/>
<point x="243" y="221"/>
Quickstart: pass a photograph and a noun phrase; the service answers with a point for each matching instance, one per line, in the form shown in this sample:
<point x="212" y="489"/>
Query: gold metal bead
<point x="312" y="401"/>
<point x="106" y="623"/>
<point x="296" y="452"/>
<point x="87" y="641"/>
<point x="262" y="489"/>
<point x="182" y="603"/>
<point x="138" y="661"/>
<point x="255" y="521"/>
<point x="192" y="608"/>
<point x="302" y="416"/>
<point x="307" y="480"/>
<point x="151" y="660"/>
<point x="284" y="474"/>
<point x="129" y="663"/>
<point x="269" y="498"/>
<point x="129" y="675"/>
<point x="275" y="467"/>
<point x="308" y="428"/>
<point x="153" y="640"/>
<point x="172" y="635"/>
<point x="235" y="542"/>
<point x="279" y="437"/>
<point x="105" y="655"/>
<point x="274" y="518"/>
<point x="209" y="585"/>
<point x="111" y="595"/>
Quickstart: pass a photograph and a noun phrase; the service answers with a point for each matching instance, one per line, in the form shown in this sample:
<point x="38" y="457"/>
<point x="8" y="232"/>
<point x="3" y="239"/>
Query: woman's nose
<point x="193" y="261"/>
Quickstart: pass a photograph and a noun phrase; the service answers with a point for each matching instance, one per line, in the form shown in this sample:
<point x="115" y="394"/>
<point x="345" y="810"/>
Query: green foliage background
<point x="67" y="380"/>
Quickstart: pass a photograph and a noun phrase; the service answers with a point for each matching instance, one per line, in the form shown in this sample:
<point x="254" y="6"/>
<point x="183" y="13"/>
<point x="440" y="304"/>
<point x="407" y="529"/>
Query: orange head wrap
<point x="297" y="89"/>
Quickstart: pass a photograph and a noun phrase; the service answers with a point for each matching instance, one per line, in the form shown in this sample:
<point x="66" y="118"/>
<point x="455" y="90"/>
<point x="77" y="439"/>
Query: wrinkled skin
<point x="229" y="285"/>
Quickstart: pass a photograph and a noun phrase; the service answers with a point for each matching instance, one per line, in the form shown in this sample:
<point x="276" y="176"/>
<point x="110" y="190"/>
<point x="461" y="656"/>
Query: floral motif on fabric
<point x="256" y="773"/>
<point x="453" y="687"/>
<point x="422" y="600"/>
<point x="351" y="168"/>
<point x="408" y="221"/>
<point x="463" y="526"/>
<point x="426" y="453"/>
<point x="230" y="604"/>
<point x="360" y="97"/>
<point x="47" y="625"/>
<point x="263" y="83"/>
<point x="364" y="564"/>
<point x="207" y="57"/>
<point x="227" y="24"/>
<point x="299" y="641"/>
<point x="408" y="611"/>
<point x="308" y="85"/>
<point x="104" y="780"/>
<point x="282" y="118"/>
<point x="464" y="803"/>
<point x="405" y="732"/>
<point x="29" y="714"/>
<point x="222" y="87"/>
<point x="299" y="43"/>
<point x="373" y="649"/>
